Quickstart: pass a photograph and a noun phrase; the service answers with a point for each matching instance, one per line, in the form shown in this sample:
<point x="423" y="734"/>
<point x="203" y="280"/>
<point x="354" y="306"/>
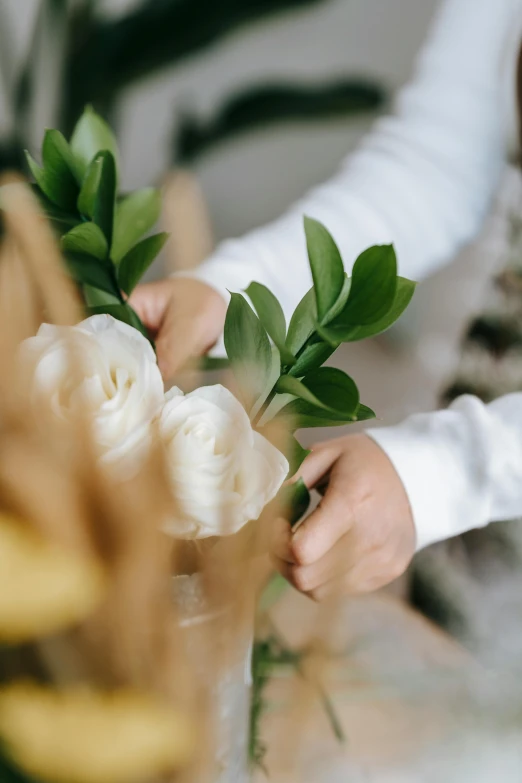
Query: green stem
<point x="272" y="393"/>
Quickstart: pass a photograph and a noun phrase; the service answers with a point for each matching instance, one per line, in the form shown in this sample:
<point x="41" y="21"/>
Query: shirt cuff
<point x="440" y="466"/>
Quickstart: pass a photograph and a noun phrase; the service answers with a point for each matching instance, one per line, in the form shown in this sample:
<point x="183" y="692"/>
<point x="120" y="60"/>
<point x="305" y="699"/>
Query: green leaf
<point x="90" y="136"/>
<point x="289" y="385"/>
<point x="326" y="265"/>
<point x="294" y="499"/>
<point x="135" y="263"/>
<point x="94" y="297"/>
<point x="300" y="414"/>
<point x="86" y="238"/>
<point x="313" y="356"/>
<point x="270" y="382"/>
<point x="89" y="189"/>
<point x="56" y="177"/>
<point x="58" y="158"/>
<point x="372" y="292"/>
<point x="336" y="390"/>
<point x="61" y="219"/>
<point x="212" y="363"/>
<point x="135" y="215"/>
<point x="37" y="172"/>
<point x="273" y="408"/>
<point x="295" y="454"/>
<point x="122" y="312"/>
<point x="325" y="388"/>
<point x="98" y="193"/>
<point x="403" y="296"/>
<point x="364" y="413"/>
<point x="272" y="593"/>
<point x="248" y="348"/>
<point x="302" y="323"/>
<point x="87" y="270"/>
<point x="271" y="315"/>
<point x="334" y="311"/>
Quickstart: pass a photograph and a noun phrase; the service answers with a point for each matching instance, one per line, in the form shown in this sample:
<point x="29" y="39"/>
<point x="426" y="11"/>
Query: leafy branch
<point x="101" y="233"/>
<point x="279" y="370"/>
<point x="272" y="655"/>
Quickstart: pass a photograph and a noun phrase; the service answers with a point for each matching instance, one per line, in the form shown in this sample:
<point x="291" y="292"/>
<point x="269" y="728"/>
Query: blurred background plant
<point x="78" y="55"/>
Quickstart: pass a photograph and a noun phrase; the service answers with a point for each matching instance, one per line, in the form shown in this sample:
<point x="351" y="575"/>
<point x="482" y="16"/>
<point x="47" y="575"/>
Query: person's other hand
<point x="361" y="536"/>
<point x="184" y="316"/>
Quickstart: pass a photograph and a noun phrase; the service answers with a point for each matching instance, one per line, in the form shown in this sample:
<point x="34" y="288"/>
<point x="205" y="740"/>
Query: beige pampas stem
<point x="33" y="236"/>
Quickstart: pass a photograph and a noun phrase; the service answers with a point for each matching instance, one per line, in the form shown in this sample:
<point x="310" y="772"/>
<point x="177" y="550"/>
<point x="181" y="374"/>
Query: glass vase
<point x="212" y="633"/>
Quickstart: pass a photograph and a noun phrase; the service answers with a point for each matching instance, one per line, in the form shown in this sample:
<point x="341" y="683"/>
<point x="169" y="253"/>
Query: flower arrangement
<point x="108" y="462"/>
<point x="278" y="370"/>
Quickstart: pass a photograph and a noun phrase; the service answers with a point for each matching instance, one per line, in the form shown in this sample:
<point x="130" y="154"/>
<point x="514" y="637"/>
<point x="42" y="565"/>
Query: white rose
<point x="119" y="383"/>
<point x="223" y="472"/>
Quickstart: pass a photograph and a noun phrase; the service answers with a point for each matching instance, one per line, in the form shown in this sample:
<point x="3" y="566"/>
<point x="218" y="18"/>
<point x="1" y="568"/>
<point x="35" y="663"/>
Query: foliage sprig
<point x="101" y="232"/>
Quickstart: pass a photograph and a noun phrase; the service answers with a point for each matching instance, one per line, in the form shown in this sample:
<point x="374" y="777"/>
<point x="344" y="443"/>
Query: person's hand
<point x="361" y="536"/>
<point x="184" y="316"/>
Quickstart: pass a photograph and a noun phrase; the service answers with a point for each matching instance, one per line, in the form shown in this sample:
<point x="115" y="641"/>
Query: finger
<point x="176" y="343"/>
<point x="324" y="527"/>
<point x="280" y="540"/>
<point x="354" y="582"/>
<point x="318" y="463"/>
<point x="342" y="558"/>
<point x="369" y="572"/>
<point x="150" y="301"/>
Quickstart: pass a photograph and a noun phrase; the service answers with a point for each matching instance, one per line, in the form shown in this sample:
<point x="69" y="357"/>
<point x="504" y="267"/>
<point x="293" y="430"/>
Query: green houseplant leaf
<point x="135" y="215"/>
<point x="136" y="262"/>
<point x="364" y="413"/>
<point x="403" y="296"/>
<point x="88" y="270"/>
<point x="262" y="105"/>
<point x="294" y="499"/>
<point x="326" y="265"/>
<point x="314" y="355"/>
<point x="336" y="390"/>
<point x="98" y="194"/>
<point x="271" y="315"/>
<point x="302" y="323"/>
<point x="301" y="414"/>
<point x="61" y="219"/>
<point x="373" y="287"/>
<point x="339" y="304"/>
<point x="248" y="349"/>
<point x="295" y="454"/>
<point x="56" y="177"/>
<point x="325" y="397"/>
<point x="86" y="238"/>
<point x="90" y="136"/>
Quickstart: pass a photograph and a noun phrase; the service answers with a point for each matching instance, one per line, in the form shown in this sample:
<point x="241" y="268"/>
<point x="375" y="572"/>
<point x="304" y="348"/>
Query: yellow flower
<point x="43" y="588"/>
<point x="82" y="736"/>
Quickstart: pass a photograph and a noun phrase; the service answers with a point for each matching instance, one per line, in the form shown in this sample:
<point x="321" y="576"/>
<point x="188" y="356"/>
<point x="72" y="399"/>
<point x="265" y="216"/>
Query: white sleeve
<point x="461" y="467"/>
<point x="422" y="179"/>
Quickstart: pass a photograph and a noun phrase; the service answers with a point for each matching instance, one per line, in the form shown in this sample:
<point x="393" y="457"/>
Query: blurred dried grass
<point x="53" y="485"/>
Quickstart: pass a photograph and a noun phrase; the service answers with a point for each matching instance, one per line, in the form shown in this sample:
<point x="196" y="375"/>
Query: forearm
<point x="423" y="179"/>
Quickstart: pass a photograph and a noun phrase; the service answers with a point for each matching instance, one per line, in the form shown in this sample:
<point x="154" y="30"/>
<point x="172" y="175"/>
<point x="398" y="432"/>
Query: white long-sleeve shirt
<point x="424" y="179"/>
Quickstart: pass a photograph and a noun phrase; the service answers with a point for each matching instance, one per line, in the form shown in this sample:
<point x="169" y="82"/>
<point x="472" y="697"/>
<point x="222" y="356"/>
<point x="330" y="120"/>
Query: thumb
<point x="325" y="526"/>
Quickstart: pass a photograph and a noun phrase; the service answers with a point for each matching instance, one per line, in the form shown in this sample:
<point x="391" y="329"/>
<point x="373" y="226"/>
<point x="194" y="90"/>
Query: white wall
<point x="250" y="181"/>
<point x="254" y="179"/>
